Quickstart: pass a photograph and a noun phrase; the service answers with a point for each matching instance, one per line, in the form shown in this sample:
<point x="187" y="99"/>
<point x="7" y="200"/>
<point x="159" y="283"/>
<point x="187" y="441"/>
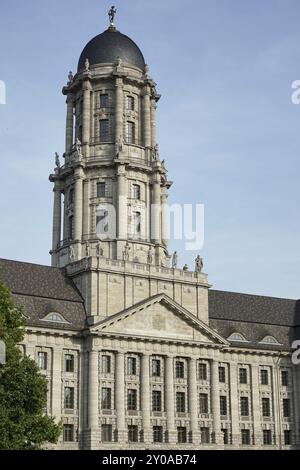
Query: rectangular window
<point x="68" y="434"/>
<point x="105" y="364"/>
<point x="156" y="400"/>
<point x="137" y="224"/>
<point x="131" y="366"/>
<point x="286" y="403"/>
<point x="222" y="375"/>
<point x="42" y="360"/>
<point x="157" y="434"/>
<point x="101" y="189"/>
<point x="243" y="375"/>
<point x="203" y="403"/>
<point x="266" y="410"/>
<point x="104" y="100"/>
<point x="69" y="362"/>
<point x="130" y="132"/>
<point x="225" y="436"/>
<point x="69" y="398"/>
<point x="130" y="103"/>
<point x="132" y="433"/>
<point x="106" y="398"/>
<point x="104" y="130"/>
<point x="132" y="400"/>
<point x="156" y="368"/>
<point x="180" y="402"/>
<point x="245" y="435"/>
<point x="204" y="435"/>
<point x="71" y="227"/>
<point x="264" y="377"/>
<point x="136" y="191"/>
<point x="223" y="405"/>
<point x="284" y="378"/>
<point x="287" y="438"/>
<point x="106" y="433"/>
<point x="202" y="368"/>
<point x="267" y="437"/>
<point x="179" y="369"/>
<point x="244" y="402"/>
<point x="181" y="435"/>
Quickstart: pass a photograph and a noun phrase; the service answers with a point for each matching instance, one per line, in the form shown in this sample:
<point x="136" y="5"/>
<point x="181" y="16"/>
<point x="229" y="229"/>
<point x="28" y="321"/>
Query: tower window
<point x="104" y="100"/>
<point x="71" y="196"/>
<point x="104" y="130"/>
<point x="71" y="227"/>
<point x="136" y="191"/>
<point x="130" y="132"/>
<point x="136" y="224"/>
<point x="101" y="189"/>
<point x="130" y="103"/>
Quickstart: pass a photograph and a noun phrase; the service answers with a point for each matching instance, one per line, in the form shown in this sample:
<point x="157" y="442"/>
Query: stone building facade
<point x="138" y="354"/>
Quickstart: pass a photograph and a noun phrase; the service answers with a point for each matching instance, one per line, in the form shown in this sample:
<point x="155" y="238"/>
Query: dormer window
<point x="55" y="317"/>
<point x="130" y="103"/>
<point x="269" y="340"/>
<point x="238" y="337"/>
<point x="104" y="100"/>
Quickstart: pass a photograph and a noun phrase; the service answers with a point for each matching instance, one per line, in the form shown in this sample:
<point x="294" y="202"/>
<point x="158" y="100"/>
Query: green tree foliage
<point x="23" y="389"/>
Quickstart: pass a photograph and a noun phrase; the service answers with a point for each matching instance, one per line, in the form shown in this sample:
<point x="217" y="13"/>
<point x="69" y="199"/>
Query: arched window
<point x="237" y="337"/>
<point x="104" y="130"/>
<point x="130" y="103"/>
<point x="269" y="340"/>
<point x="136" y="191"/>
<point x="130" y="132"/>
<point x="55" y="317"/>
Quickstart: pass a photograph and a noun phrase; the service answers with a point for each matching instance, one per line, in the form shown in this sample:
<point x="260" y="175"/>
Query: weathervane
<point x="111" y="14"/>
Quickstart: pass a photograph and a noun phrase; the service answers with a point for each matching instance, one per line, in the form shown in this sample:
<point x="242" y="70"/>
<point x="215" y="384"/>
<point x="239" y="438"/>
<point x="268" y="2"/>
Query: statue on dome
<point x="99" y="250"/>
<point x="57" y="161"/>
<point x="156" y="153"/>
<point x="198" y="264"/>
<point x="150" y="256"/>
<point x="70" y="77"/>
<point x="87" y="65"/>
<point x="78" y="148"/>
<point x="174" y="260"/>
<point x="71" y="253"/>
<point x="111" y="14"/>
<point x="87" y="250"/>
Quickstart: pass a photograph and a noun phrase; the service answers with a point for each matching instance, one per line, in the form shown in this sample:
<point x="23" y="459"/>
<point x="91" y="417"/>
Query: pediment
<point x="159" y="317"/>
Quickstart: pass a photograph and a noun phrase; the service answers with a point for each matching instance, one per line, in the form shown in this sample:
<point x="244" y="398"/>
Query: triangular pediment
<point x="159" y="317"/>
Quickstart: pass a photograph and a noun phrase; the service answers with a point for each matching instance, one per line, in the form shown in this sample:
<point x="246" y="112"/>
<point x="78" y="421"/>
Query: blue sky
<point x="226" y="124"/>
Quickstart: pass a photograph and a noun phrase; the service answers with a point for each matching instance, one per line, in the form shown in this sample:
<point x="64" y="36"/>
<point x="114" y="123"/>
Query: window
<point x="136" y="224"/>
<point x="225" y="436"/>
<point x="222" y="375"/>
<point x="243" y="376"/>
<point x="244" y="401"/>
<point x="55" y="317"/>
<point x="106" y="433"/>
<point x="71" y="196"/>
<point x="269" y="340"/>
<point x="132" y="433"/>
<point x="69" y="362"/>
<point x="203" y="403"/>
<point x="42" y="360"/>
<point x="130" y="103"/>
<point x="267" y="437"/>
<point x="204" y="435"/>
<point x="266" y="410"/>
<point x="71" y="227"/>
<point x="286" y="407"/>
<point x="180" y="402"/>
<point x="106" y="364"/>
<point x="181" y="435"/>
<point x="237" y="337"/>
<point x="68" y="434"/>
<point x="157" y="434"/>
<point x="104" y="130"/>
<point x="104" y="100"/>
<point x="106" y="398"/>
<point x="130" y="132"/>
<point x="69" y="398"/>
<point x="101" y="189"/>
<point x="264" y="377"/>
<point x="156" y="400"/>
<point x="156" y="368"/>
<point x="131" y="366"/>
<point x="132" y="400"/>
<point x="136" y="191"/>
<point x="223" y="405"/>
<point x="179" y="369"/>
<point x="202" y="371"/>
<point x="287" y="438"/>
<point x="245" y="435"/>
<point x="284" y="378"/>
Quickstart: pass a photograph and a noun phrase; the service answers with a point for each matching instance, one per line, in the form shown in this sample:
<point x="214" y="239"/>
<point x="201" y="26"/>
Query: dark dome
<point x="106" y="47"/>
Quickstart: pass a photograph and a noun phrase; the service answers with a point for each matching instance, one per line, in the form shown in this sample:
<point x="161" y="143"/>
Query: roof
<point x="108" y="46"/>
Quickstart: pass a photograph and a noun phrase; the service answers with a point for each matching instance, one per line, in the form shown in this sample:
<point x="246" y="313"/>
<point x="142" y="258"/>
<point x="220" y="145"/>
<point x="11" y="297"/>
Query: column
<point x="119" y="102"/>
<point x="86" y="117"/>
<point x="153" y="123"/>
<point x="277" y="402"/>
<point x="86" y="209"/>
<point x="234" y="404"/>
<point x="57" y="396"/>
<point x="256" y="405"/>
<point x="56" y="217"/>
<point x="156" y="209"/>
<point x="93" y="403"/>
<point x="70" y="123"/>
<point x="145" y="397"/>
<point x="193" y="400"/>
<point x="122" y="203"/>
<point x="215" y="401"/>
<point x="120" y="396"/>
<point x="147" y="117"/>
<point x="169" y="399"/>
<point x="78" y="206"/>
<point x="164" y="218"/>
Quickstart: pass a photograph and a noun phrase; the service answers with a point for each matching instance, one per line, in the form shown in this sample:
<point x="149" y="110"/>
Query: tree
<point x="23" y="389"/>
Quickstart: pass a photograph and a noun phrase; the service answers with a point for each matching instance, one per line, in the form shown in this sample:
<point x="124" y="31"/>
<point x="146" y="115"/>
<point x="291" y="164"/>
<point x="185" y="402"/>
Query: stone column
<point x="147" y="117"/>
<point x="169" y="399"/>
<point x="122" y="203"/>
<point x="57" y="396"/>
<point x="156" y="209"/>
<point x="153" y="123"/>
<point x="193" y="400"/>
<point x="119" y="103"/>
<point x="78" y="207"/>
<point x="69" y="123"/>
<point x="86" y="117"/>
<point x="93" y="403"/>
<point x="86" y="209"/>
<point x="256" y="404"/>
<point x="164" y="218"/>
<point x="120" y="397"/>
<point x="234" y="404"/>
<point x="145" y="397"/>
<point x="56" y="217"/>
<point x="215" y="401"/>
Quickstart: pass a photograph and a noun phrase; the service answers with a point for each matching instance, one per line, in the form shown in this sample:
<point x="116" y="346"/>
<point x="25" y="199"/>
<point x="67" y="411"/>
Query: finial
<point x="70" y="77"/>
<point x="111" y="15"/>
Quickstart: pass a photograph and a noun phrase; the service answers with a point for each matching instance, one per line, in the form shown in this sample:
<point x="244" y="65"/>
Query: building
<point x="138" y="354"/>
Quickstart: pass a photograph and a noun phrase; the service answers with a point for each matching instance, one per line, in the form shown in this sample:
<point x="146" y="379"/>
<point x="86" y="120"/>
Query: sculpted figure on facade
<point x="198" y="264"/>
<point x="71" y="253"/>
<point x="99" y="250"/>
<point x="174" y="260"/>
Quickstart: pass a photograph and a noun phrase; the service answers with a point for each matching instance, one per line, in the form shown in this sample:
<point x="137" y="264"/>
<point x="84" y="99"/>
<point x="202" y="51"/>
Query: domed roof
<point x="108" y="46"/>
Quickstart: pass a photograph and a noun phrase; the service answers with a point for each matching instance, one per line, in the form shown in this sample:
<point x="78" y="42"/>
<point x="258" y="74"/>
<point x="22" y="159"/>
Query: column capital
<point x="119" y="82"/>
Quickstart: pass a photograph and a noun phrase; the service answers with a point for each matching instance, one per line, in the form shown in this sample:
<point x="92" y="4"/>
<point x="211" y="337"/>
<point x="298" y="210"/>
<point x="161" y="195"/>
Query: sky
<point x="227" y="127"/>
